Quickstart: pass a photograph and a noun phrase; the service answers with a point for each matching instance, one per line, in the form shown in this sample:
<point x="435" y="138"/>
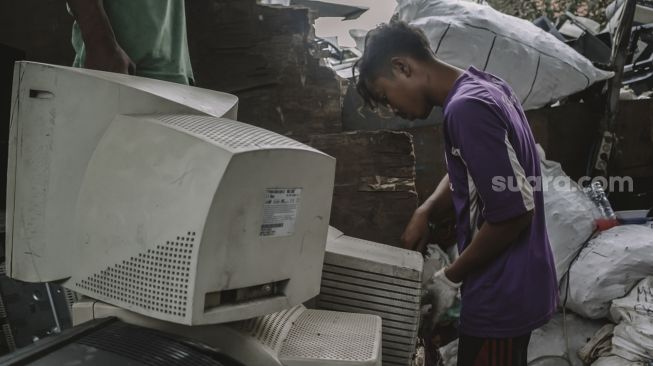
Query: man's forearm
<point x="93" y="22"/>
<point x="488" y="244"/>
<point x="440" y="204"/>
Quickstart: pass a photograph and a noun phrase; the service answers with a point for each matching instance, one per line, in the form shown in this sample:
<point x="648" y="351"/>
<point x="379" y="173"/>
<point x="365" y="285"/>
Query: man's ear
<point x="401" y="66"/>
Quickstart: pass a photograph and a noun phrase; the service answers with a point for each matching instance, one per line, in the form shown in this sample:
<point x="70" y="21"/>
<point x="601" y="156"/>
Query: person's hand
<point x="108" y="57"/>
<point x="417" y="230"/>
<point x="441" y="293"/>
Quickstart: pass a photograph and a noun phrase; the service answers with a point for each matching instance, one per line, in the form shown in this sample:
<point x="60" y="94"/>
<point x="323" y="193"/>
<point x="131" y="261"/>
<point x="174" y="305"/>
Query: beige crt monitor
<point x="292" y="337"/>
<point x="148" y="195"/>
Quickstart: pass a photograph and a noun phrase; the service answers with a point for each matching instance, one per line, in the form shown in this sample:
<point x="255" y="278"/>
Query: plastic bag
<point x="540" y="68"/>
<point x="548" y="343"/>
<point x="616" y="361"/>
<point x="608" y="268"/>
<point x="633" y="336"/>
<point x="569" y="214"/>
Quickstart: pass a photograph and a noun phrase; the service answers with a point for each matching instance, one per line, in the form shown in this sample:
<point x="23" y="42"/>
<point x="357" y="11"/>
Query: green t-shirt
<point x="152" y="33"/>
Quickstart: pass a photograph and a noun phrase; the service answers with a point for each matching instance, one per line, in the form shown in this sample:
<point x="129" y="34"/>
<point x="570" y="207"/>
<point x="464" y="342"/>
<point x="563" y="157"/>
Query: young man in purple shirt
<point x="505" y="270"/>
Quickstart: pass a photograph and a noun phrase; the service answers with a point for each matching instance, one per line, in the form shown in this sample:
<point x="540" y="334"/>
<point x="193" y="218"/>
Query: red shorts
<point x="474" y="351"/>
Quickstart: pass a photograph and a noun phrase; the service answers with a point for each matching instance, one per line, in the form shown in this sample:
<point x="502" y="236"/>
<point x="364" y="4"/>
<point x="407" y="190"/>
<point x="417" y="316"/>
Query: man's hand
<point x="436" y="208"/>
<point x="417" y="231"/>
<point x="108" y="57"/>
<point x="489" y="243"/>
<point x="441" y="294"/>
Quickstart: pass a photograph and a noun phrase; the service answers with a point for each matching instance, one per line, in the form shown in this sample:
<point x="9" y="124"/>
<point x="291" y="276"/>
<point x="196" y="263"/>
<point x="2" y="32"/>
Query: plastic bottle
<point x="608" y="218"/>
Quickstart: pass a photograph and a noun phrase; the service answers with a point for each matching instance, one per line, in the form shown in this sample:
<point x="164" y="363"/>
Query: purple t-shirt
<point x="492" y="163"/>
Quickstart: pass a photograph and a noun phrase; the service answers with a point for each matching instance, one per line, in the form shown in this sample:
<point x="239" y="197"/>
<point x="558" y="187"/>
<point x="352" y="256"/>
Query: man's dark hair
<point x="381" y="45"/>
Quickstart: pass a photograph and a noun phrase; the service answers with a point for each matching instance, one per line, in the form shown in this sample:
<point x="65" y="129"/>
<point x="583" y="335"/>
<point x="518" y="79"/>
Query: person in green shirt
<point x="140" y="37"/>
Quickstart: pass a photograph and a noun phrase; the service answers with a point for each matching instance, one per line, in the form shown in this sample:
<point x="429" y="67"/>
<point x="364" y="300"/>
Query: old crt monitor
<point x="149" y="196"/>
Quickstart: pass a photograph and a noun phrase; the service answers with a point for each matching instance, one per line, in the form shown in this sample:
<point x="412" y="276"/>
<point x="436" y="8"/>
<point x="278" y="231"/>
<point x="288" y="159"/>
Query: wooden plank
<point x="374" y="196"/>
<point x="430" y="165"/>
<point x="634" y="151"/>
<point x="264" y="55"/>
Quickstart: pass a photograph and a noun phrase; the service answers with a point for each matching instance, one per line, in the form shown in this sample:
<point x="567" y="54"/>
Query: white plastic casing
<point x="132" y="197"/>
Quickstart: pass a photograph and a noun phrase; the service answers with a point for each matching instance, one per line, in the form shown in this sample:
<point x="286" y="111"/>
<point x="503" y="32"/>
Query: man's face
<point x="402" y="93"/>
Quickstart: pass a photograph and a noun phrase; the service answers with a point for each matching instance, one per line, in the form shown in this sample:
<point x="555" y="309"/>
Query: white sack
<point x="547" y="343"/>
<point x="568" y="211"/>
<point x="449" y="353"/>
<point x="540" y="68"/>
<point x="549" y="340"/>
<point x="609" y="267"/>
<point x="435" y="260"/>
<point x="616" y="361"/>
<point x="633" y="336"/>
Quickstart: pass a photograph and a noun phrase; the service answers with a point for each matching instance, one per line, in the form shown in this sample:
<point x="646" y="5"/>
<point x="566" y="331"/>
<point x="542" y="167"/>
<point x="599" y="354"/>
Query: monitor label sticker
<point x="280" y="211"/>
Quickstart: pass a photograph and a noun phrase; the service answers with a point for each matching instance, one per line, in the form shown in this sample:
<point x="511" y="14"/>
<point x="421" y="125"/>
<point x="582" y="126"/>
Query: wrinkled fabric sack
<point x="616" y="361"/>
<point x="597" y="347"/>
<point x="633" y="336"/>
<point x="568" y="211"/>
<point x="435" y="259"/>
<point x="608" y="268"/>
<point x="539" y="67"/>
<point x="548" y="343"/>
<point x="450" y="353"/>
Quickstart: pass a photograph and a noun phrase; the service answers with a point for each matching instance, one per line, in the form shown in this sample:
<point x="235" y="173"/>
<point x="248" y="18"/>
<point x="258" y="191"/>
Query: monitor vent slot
<point x="360" y="287"/>
<point x="236" y="135"/>
<point x="271" y="329"/>
<point x="333" y="337"/>
<point x="156" y="280"/>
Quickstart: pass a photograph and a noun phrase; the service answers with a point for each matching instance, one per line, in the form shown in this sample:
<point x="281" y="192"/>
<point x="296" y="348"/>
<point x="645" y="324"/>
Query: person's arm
<point x="481" y="137"/>
<point x="490" y="241"/>
<point x="102" y="50"/>
<point x="438" y="206"/>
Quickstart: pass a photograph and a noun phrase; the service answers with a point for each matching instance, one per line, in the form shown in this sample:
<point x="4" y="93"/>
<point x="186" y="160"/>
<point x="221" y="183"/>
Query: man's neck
<point x="441" y="79"/>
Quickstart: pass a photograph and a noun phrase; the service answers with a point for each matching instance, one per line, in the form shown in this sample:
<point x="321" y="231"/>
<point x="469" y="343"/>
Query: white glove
<point x="441" y="294"/>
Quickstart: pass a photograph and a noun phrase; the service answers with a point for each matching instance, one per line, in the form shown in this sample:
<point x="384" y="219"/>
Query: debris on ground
<point x="558" y="341"/>
<point x="597" y="347"/>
